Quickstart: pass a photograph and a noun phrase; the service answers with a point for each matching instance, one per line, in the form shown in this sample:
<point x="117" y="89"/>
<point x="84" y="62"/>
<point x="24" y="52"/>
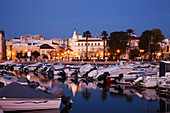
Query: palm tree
<point x="44" y="56"/>
<point x="35" y="54"/>
<point x="104" y="34"/>
<point x="130" y="31"/>
<point x="87" y="34"/>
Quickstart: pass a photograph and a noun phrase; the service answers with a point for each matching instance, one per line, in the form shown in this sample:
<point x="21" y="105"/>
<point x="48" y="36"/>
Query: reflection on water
<point x="91" y="96"/>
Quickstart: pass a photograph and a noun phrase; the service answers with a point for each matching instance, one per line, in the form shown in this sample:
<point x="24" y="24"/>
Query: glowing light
<point x="13" y="53"/>
<point x="141" y="50"/>
<point x="159" y="53"/>
<point x="118" y="50"/>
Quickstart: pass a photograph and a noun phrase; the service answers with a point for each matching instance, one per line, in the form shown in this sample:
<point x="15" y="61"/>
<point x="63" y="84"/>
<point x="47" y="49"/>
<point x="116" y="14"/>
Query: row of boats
<point x="137" y="74"/>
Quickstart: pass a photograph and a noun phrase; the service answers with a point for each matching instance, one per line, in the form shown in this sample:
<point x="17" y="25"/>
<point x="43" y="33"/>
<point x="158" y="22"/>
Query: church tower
<point x="74" y="35"/>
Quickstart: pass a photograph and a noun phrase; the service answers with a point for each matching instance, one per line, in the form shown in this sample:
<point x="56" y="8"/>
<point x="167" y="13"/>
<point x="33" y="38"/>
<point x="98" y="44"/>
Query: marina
<point x="93" y="91"/>
<point x="84" y="56"/>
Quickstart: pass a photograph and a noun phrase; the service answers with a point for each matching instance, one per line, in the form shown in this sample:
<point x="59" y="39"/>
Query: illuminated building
<point x="32" y="43"/>
<point x="78" y="44"/>
<point x="2" y="45"/>
<point x="9" y="50"/>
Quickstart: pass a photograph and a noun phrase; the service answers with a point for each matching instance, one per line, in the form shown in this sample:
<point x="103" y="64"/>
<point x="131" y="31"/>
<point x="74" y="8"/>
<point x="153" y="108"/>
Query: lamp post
<point x="159" y="54"/>
<point x="118" y="51"/>
<point x="68" y="54"/>
<point x="108" y="55"/>
<point x="141" y="52"/>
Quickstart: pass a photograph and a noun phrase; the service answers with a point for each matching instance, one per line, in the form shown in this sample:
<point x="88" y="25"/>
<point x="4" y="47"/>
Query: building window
<point x="82" y="44"/>
<point x="95" y="43"/>
<point x="98" y="43"/>
<point x="91" y="43"/>
<point x="88" y="43"/>
<point x="78" y="44"/>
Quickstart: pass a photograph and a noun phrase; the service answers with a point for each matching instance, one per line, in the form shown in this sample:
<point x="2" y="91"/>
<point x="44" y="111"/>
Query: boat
<point x="58" y="65"/>
<point x="164" y="88"/>
<point x="6" y="65"/>
<point x="126" y="78"/>
<point x="18" y="67"/>
<point x="31" y="67"/>
<point x="16" y="97"/>
<point x="153" y="81"/>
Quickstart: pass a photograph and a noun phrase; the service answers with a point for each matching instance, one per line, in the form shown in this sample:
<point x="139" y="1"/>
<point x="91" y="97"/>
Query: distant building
<point x="33" y="43"/>
<point x="45" y="49"/>
<point x="2" y="45"/>
<point x="165" y="45"/>
<point x="78" y="44"/>
<point x="133" y="43"/>
<point x="9" y="50"/>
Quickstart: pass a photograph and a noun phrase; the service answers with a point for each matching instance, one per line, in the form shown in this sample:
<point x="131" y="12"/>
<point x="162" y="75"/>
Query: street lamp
<point x="68" y="54"/>
<point x="141" y="51"/>
<point x="118" y="51"/>
<point x="159" y="54"/>
<point x="108" y="55"/>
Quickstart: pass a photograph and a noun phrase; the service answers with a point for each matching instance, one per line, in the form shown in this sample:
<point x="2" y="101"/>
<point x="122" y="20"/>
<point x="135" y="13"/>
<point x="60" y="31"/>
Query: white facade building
<point x="78" y="44"/>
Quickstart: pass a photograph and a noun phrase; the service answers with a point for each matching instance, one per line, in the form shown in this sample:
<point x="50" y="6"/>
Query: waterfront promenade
<point x="73" y="62"/>
<point x="80" y="62"/>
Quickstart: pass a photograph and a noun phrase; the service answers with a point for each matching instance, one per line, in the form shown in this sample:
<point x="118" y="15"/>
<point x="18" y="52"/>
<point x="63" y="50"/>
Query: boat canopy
<point x="16" y="90"/>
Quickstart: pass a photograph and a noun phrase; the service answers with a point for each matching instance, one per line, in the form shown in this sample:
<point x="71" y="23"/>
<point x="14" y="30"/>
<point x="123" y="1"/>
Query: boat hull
<point x="19" y="104"/>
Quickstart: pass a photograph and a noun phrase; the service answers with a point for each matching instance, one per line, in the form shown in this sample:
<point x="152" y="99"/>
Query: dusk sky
<point x="58" y="18"/>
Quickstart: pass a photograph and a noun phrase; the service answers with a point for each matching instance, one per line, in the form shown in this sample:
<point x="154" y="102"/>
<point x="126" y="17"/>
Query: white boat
<point x="164" y="87"/>
<point x="31" y="67"/>
<point x="155" y="80"/>
<point x="6" y="65"/>
<point x="18" y="67"/>
<point x="58" y="65"/>
<point x="126" y="77"/>
<point x="14" y="97"/>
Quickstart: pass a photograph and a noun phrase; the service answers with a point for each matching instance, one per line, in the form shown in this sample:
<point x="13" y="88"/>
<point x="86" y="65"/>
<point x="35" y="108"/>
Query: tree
<point x="157" y="36"/>
<point x="44" y="56"/>
<point x="118" y="40"/>
<point x="87" y="34"/>
<point x="145" y="40"/>
<point x="135" y="53"/>
<point x="35" y="54"/>
<point x="19" y="55"/>
<point x="25" y="56"/>
<point x="130" y="31"/>
<point x="104" y="34"/>
<point x="150" y="39"/>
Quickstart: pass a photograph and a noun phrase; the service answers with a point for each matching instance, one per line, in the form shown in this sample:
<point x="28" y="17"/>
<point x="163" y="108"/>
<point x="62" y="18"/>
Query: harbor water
<point x="90" y="96"/>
